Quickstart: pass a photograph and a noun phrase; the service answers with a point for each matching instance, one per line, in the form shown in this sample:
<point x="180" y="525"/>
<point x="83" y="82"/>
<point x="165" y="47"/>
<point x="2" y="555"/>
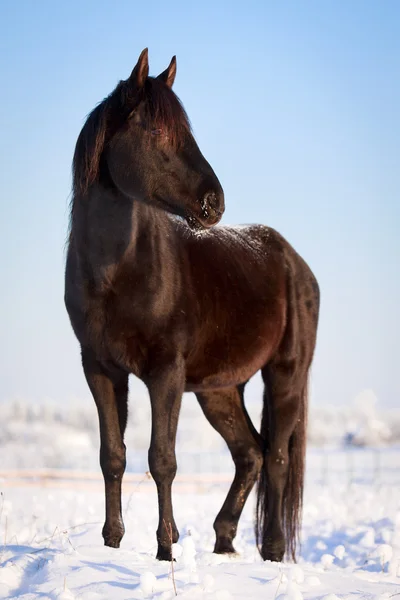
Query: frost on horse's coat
<point x="186" y="306"/>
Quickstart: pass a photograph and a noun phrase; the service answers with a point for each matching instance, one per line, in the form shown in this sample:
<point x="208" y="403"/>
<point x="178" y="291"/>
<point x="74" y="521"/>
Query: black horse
<point x="152" y="289"/>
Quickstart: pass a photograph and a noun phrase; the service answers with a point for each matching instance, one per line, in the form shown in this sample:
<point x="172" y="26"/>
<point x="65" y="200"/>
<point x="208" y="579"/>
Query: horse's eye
<point x="156" y="131"/>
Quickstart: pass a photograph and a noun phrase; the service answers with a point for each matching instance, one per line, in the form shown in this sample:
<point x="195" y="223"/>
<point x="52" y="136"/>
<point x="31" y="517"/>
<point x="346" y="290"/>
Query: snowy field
<point x="52" y="511"/>
<point x="51" y="545"/>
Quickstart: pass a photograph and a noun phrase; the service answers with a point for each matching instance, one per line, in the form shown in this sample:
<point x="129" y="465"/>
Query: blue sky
<point x="297" y="107"/>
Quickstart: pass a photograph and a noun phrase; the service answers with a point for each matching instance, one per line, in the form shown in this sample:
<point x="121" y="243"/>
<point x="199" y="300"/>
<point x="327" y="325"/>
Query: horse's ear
<point x="141" y="70"/>
<point x="168" y="76"/>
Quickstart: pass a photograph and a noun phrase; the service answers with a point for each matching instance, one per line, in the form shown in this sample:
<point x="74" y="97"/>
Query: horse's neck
<point x="116" y="231"/>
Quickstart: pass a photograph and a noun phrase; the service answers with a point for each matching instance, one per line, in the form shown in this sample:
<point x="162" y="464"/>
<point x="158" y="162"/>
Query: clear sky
<point x="297" y="107"/>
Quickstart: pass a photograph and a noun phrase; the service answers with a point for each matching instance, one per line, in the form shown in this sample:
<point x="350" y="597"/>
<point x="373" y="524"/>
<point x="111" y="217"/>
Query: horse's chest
<point x="123" y="327"/>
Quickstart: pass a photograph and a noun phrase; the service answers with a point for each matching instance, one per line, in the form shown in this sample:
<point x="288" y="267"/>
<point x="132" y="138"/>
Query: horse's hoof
<point x="273" y="555"/>
<point x="224" y="546"/>
<point x="164" y="554"/>
<point x="112" y="536"/>
<point x="112" y="542"/>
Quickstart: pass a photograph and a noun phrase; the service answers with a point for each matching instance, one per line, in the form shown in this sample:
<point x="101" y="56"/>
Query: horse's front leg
<point x="110" y="392"/>
<point x="166" y="385"/>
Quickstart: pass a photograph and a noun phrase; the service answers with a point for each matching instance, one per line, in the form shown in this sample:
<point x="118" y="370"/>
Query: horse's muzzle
<point x="212" y="208"/>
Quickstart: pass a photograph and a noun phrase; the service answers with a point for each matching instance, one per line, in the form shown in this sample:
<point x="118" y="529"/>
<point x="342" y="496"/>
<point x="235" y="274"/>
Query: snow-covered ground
<point x="51" y="546"/>
<point x="52" y="507"/>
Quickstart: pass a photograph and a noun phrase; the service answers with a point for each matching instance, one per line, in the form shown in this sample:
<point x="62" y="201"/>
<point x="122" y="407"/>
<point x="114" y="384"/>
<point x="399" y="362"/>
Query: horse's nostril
<point x="210" y="205"/>
<point x="211" y="200"/>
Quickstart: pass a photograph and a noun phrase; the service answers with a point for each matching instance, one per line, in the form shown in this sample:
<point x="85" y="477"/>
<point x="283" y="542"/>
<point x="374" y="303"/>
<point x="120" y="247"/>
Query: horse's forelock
<point x="165" y="111"/>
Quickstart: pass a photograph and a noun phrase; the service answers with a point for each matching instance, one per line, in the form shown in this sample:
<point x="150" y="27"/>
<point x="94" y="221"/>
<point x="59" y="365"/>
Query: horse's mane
<point x="163" y="111"/>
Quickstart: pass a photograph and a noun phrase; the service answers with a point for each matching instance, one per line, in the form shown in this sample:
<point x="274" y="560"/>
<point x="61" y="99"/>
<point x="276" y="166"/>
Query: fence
<point x="367" y="466"/>
<point x="350" y="465"/>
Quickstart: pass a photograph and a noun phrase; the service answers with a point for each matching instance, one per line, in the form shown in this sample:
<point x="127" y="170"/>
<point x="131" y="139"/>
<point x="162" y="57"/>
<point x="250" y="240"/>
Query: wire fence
<point x="323" y="465"/>
<point x="326" y="467"/>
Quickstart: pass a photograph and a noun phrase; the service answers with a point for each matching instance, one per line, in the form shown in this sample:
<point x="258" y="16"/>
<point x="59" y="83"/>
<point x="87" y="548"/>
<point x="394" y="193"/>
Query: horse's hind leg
<point x="281" y="481"/>
<point x="110" y="392"/>
<point x="226" y="412"/>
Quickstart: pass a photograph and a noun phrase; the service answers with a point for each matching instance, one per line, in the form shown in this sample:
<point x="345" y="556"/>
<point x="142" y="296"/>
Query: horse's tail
<point x="293" y="494"/>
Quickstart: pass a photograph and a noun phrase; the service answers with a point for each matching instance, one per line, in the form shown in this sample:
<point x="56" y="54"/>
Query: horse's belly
<point x="223" y="378"/>
<point x="228" y="360"/>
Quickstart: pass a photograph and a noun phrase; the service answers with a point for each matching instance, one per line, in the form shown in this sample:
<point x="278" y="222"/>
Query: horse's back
<point x="249" y="262"/>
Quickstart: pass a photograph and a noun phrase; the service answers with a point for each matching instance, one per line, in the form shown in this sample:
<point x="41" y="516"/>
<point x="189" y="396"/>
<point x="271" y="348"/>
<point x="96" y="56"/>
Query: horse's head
<point x="139" y="140"/>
